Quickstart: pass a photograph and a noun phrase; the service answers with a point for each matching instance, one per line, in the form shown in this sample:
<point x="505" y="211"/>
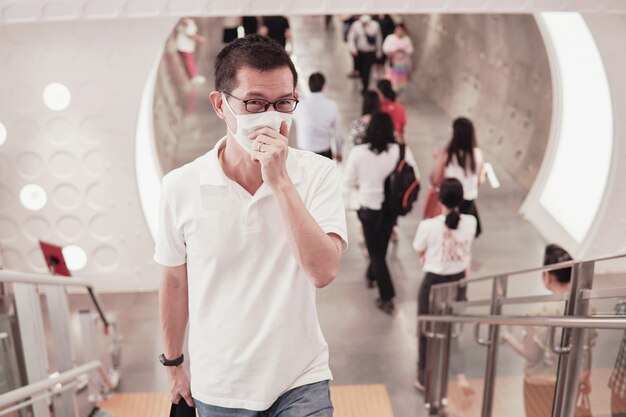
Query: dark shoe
<point x="385" y="306"/>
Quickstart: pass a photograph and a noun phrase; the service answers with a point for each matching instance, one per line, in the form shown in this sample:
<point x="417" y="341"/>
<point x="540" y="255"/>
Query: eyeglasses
<point x="260" y="105"/>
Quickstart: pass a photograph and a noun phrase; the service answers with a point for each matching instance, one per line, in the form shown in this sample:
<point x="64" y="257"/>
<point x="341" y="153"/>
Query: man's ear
<point x="217" y="102"/>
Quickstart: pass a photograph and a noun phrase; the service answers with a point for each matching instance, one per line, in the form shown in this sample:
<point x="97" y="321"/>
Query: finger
<point x="266" y="131"/>
<point x="284" y="129"/>
<point x="175" y="397"/>
<point x="189" y="399"/>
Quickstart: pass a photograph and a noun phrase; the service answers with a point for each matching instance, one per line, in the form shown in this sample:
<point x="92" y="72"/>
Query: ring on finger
<point x="259" y="148"/>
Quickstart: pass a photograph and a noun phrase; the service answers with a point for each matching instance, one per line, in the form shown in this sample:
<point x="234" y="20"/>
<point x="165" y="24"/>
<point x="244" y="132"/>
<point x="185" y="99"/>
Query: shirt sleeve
<point x="327" y="206"/>
<point x="170" y="248"/>
<point x="388" y="44"/>
<point x="350" y="179"/>
<point x="419" y="243"/>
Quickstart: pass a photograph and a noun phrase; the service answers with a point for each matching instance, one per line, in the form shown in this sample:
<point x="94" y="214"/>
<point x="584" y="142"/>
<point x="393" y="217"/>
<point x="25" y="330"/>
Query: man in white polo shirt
<point x="247" y="233"/>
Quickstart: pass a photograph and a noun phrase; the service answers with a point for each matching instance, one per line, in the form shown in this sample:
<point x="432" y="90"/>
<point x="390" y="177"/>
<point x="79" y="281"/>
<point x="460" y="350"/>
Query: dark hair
<point x="253" y="51"/>
<point x="555" y="254"/>
<point x="403" y="27"/>
<point x="462" y="144"/>
<point x="386" y="89"/>
<point x="371" y="103"/>
<point x="451" y="196"/>
<point x="379" y="133"/>
<point x="316" y="82"/>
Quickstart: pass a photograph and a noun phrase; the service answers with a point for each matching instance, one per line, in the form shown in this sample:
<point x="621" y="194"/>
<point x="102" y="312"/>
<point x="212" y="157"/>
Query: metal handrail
<point x="18" y="394"/>
<point x="513" y="300"/>
<point x="20" y="277"/>
<point x="593" y="322"/>
<point x="544" y="268"/>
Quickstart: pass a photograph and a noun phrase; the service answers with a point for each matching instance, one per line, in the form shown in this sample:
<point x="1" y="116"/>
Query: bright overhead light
<point x="56" y="96"/>
<point x="33" y="197"/>
<point x="75" y="257"/>
<point x="3" y="134"/>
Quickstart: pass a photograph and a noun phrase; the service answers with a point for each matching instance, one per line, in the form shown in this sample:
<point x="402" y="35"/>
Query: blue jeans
<point x="311" y="400"/>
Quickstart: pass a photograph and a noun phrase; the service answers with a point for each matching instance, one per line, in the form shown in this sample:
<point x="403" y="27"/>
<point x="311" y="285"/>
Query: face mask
<point x="248" y="123"/>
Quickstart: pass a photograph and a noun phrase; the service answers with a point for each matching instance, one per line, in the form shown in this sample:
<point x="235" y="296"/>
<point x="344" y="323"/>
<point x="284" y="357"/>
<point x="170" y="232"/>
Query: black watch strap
<point x="171" y="362"/>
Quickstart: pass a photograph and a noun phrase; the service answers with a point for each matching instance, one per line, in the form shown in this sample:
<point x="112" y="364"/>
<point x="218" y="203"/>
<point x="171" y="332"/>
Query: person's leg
<point x="422" y="308"/>
<point x="381" y="269"/>
<point x="469" y="207"/>
<point x="207" y="410"/>
<point x="312" y="400"/>
<point x="368" y="221"/>
<point x="368" y="61"/>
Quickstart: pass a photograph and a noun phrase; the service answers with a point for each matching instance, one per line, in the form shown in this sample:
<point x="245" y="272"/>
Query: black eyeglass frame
<point x="268" y="103"/>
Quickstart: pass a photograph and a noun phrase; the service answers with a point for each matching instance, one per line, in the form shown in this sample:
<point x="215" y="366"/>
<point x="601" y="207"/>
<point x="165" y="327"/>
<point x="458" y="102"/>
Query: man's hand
<point x="180" y="387"/>
<point x="270" y="150"/>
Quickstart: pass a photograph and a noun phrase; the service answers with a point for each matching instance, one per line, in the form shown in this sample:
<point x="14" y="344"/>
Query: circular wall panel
<point x="100" y="226"/>
<point x="6" y="197"/>
<point x="66" y="197"/>
<point x="59" y="131"/>
<point x="63" y="164"/>
<point x="37" y="228"/>
<point x="29" y="165"/>
<point x="69" y="227"/>
<point x="92" y="164"/>
<point x="8" y="230"/>
<point x="106" y="257"/>
<point x="12" y="259"/>
<point x="25" y="130"/>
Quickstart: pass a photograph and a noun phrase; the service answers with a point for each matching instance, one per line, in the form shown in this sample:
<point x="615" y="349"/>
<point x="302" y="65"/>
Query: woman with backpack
<point x="443" y="245"/>
<point x="463" y="160"/>
<point x="366" y="171"/>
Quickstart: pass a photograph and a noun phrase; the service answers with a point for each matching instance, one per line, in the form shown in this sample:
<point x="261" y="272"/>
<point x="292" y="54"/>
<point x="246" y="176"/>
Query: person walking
<point x="389" y="105"/>
<point x="367" y="168"/>
<point x="358" y="128"/>
<point x="186" y="39"/>
<point x="443" y="245"/>
<point x="463" y="160"/>
<point x="255" y="344"/>
<point x="318" y="121"/>
<point x="399" y="48"/>
<point x="365" y="41"/>
<point x="277" y="28"/>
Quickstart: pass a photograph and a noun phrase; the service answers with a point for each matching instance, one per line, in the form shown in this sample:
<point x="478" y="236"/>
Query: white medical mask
<point x="249" y="122"/>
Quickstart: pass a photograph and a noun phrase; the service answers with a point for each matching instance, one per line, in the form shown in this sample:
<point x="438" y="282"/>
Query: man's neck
<point x="238" y="166"/>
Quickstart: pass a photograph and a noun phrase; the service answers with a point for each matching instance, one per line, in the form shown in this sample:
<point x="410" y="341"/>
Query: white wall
<point x="83" y="156"/>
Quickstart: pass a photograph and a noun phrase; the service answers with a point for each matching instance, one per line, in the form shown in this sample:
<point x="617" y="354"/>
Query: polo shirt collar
<point x="210" y="171"/>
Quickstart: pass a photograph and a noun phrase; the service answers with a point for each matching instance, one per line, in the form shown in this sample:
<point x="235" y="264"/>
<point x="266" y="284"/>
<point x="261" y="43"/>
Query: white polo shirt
<point x="253" y="329"/>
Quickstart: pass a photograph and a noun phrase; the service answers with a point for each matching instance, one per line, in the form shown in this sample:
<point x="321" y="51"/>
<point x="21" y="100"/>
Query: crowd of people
<point x="255" y="96"/>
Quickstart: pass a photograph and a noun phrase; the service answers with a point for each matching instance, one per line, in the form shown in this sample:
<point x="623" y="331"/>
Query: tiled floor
<point x="366" y="346"/>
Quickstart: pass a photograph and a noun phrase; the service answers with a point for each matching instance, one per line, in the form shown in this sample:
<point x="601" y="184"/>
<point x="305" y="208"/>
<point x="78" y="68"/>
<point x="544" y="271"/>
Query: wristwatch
<point x="171" y="362"/>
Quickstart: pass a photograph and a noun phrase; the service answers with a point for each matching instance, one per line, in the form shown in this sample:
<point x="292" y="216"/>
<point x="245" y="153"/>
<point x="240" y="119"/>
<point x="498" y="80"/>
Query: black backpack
<point x="401" y="188"/>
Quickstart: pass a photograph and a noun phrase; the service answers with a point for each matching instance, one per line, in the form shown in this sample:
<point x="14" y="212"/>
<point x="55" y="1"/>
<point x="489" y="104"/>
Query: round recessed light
<point x="75" y="257"/>
<point x="33" y="197"/>
<point x="56" y="96"/>
<point x="3" y="134"/>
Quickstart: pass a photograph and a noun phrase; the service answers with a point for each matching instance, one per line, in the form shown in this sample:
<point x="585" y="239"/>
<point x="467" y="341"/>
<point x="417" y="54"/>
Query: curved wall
<point x="493" y="69"/>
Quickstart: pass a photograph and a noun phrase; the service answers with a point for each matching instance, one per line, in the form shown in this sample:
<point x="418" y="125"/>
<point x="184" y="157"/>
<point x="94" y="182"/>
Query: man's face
<point x="269" y="85"/>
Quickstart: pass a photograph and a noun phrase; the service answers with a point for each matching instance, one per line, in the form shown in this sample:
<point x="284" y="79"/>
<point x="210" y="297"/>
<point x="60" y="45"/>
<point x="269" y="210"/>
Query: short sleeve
<point x="327" y="206"/>
<point x="170" y="249"/>
<point x="419" y="243"/>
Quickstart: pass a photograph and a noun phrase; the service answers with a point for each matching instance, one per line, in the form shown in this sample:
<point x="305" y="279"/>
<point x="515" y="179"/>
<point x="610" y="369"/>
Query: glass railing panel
<point x="466" y="370"/>
<point x="526" y="373"/>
